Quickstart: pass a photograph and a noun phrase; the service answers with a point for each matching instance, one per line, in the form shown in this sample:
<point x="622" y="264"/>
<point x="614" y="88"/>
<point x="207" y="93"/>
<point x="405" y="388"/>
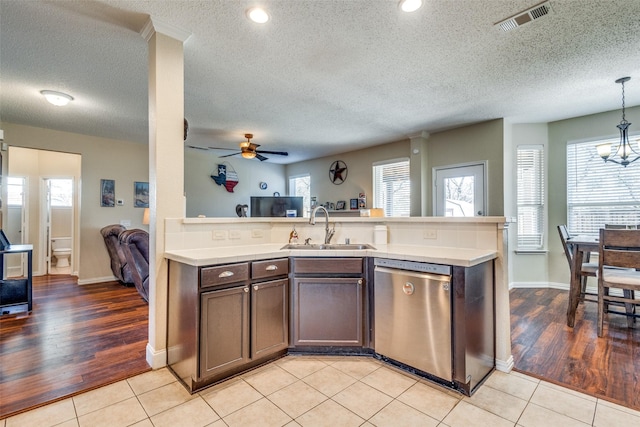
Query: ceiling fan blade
<point x="279" y="153"/>
<point x="260" y="157"/>
<point x="197" y="148"/>
<point x="220" y="148"/>
<point x="229" y="155"/>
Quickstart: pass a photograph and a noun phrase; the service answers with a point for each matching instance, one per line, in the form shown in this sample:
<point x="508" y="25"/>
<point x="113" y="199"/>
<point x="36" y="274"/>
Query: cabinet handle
<point x="256" y="287"/>
<point x="246" y="289"/>
<point x="360" y="281"/>
<point x="226" y="274"/>
<point x="271" y="267"/>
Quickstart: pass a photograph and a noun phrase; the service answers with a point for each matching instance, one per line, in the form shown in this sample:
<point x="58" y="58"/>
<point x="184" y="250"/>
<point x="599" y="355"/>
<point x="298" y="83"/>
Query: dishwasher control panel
<point x="413" y="266"/>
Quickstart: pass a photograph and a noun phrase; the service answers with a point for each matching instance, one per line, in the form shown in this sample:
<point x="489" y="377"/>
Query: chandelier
<point x="624" y="150"/>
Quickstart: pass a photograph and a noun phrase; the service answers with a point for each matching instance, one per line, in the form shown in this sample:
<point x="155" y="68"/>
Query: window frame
<point x="406" y="162"/>
<point x="528" y="203"/>
<point x="618" y="198"/>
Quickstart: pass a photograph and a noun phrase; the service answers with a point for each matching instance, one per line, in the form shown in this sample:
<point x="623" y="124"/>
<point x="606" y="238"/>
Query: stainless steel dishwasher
<point x="412" y="304"/>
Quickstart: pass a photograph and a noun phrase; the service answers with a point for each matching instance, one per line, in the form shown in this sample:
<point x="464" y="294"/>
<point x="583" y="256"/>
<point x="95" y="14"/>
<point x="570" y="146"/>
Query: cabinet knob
<point x="256" y="287"/>
<point x="271" y="267"/>
<point x="360" y="281"/>
<point x="226" y="273"/>
<point x="246" y="289"/>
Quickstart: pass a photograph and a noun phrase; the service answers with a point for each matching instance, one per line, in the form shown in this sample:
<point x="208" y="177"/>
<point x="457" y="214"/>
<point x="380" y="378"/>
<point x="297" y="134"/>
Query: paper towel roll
<point x="380" y="234"/>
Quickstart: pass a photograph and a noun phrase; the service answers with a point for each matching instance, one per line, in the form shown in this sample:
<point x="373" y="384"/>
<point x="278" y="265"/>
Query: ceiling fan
<point x="249" y="150"/>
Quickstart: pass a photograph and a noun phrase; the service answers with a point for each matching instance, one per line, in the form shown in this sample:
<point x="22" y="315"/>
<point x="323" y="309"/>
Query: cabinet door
<point x="327" y="311"/>
<point x="269" y="314"/>
<point x="224" y="336"/>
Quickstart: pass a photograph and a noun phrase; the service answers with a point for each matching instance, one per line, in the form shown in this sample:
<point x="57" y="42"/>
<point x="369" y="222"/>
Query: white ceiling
<point x="322" y="76"/>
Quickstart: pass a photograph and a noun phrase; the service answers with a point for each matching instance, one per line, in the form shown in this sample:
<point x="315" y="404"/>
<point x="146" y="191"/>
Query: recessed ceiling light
<point x="410" y="5"/>
<point x="57" y="98"/>
<point x="258" y="15"/>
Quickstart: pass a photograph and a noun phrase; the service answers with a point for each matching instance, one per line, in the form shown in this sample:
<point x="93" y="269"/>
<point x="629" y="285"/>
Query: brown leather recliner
<point x="135" y="245"/>
<point x="119" y="267"/>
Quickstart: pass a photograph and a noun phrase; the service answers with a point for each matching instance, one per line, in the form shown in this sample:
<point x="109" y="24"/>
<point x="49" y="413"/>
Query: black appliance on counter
<point x="277" y="206"/>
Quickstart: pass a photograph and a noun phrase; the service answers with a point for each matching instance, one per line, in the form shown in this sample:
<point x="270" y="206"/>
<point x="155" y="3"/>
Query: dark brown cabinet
<point x="269" y="317"/>
<point x="225" y="319"/>
<point x="328" y="302"/>
<point x="225" y="330"/>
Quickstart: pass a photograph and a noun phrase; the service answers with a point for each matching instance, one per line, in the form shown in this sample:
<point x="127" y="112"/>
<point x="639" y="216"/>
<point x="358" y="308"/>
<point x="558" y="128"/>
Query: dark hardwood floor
<point x="545" y="347"/>
<point x="76" y="338"/>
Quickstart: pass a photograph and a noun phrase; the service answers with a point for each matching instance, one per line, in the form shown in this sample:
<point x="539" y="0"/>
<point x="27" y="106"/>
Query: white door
<point x="459" y="190"/>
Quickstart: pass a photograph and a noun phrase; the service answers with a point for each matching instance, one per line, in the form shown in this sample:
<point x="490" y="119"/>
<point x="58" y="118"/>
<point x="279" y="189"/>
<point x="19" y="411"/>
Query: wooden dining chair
<point x="619" y="249"/>
<point x="587" y="270"/>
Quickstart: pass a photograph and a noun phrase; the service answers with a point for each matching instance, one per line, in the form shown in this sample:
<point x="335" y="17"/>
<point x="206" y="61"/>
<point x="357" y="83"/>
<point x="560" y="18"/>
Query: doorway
<point x="58" y="224"/>
<point x="460" y="190"/>
<point x="16" y="227"/>
<point x="50" y="205"/>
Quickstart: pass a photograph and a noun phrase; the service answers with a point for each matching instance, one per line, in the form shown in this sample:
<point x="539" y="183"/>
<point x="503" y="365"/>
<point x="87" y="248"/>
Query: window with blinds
<point x="600" y="193"/>
<point x="392" y="187"/>
<point x="530" y="197"/>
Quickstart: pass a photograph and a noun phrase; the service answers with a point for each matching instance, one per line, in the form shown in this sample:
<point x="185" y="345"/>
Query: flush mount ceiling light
<point x="57" y="98"/>
<point x="410" y="5"/>
<point x="624" y="149"/>
<point x="258" y="15"/>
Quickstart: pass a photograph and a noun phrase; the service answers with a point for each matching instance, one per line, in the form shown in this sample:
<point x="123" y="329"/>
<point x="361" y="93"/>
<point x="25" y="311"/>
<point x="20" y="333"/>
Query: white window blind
<point x="301" y="186"/>
<point x="530" y="197"/>
<point x="392" y="187"/>
<point x="600" y="193"/>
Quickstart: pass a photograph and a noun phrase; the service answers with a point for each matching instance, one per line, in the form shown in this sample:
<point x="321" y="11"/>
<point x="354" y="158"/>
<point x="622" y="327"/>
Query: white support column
<point x="166" y="167"/>
<point x="418" y="165"/>
<point x="504" y="358"/>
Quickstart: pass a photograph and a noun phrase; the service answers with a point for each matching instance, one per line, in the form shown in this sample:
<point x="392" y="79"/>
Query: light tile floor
<point x="327" y="391"/>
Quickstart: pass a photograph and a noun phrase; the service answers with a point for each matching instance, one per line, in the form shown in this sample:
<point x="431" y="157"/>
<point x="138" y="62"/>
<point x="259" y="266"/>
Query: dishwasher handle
<point x="414" y="274"/>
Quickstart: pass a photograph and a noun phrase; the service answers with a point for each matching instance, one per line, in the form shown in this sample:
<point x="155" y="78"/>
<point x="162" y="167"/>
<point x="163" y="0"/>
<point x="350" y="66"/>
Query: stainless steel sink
<point x="330" y="246"/>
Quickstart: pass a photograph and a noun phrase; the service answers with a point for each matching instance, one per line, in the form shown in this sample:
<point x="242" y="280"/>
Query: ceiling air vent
<point x="522" y="18"/>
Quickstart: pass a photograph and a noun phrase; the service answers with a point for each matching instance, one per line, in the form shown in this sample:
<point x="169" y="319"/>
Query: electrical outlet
<point x="234" y="234"/>
<point x="219" y="234"/>
<point x="430" y="234"/>
<point x="257" y="234"/>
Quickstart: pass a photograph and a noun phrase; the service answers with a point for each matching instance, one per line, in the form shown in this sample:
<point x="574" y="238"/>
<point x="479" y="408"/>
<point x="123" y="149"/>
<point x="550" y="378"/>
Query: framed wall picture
<point x="140" y="194"/>
<point x="353" y="203"/>
<point x="340" y="205"/>
<point x="107" y="193"/>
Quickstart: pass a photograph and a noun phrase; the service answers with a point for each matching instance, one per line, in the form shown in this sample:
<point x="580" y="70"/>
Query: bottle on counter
<point x="293" y="236"/>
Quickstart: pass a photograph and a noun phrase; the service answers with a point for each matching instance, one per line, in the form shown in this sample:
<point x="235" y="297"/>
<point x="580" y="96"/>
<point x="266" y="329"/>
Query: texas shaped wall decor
<point x="228" y="179"/>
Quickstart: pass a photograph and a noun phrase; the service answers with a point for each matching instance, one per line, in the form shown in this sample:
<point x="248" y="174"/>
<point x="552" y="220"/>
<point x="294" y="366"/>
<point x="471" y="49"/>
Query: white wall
<point x="359" y="175"/>
<point x="205" y="197"/>
<point x="123" y="161"/>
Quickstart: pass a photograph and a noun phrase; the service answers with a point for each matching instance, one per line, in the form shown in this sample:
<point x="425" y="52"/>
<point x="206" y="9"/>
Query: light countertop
<point x="229" y="254"/>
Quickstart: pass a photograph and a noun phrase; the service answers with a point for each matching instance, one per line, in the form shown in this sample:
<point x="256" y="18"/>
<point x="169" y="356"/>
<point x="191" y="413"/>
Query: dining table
<point x="580" y="245"/>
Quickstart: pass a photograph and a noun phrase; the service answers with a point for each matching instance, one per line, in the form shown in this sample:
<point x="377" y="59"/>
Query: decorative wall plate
<point x="263" y="185"/>
<point x="338" y="172"/>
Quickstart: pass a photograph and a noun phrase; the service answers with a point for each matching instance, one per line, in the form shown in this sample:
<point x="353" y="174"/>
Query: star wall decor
<point x="338" y="172"/>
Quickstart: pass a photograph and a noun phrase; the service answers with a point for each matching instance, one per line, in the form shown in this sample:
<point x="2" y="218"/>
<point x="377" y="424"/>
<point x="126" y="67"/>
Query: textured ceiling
<point x="322" y="76"/>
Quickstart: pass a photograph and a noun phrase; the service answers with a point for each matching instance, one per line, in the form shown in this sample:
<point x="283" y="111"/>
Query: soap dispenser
<point x="293" y="236"/>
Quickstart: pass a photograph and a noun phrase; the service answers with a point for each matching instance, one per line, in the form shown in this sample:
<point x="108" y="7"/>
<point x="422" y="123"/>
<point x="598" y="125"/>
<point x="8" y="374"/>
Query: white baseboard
<point x="93" y="280"/>
<point x="156" y="359"/>
<point x="539" y="285"/>
<point x="505" y="365"/>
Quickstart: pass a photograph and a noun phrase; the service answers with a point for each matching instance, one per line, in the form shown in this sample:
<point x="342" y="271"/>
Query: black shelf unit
<point x="15" y="293"/>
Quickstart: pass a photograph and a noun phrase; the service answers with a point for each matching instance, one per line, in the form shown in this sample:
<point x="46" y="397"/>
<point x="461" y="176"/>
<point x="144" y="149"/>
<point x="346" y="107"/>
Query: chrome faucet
<point x="328" y="234"/>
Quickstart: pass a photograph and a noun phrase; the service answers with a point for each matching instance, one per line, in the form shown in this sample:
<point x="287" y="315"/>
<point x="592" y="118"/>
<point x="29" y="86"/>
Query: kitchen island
<point x="472" y="266"/>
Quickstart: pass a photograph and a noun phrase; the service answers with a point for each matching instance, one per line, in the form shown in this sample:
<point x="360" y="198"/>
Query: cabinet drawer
<point x="328" y="265"/>
<point x="269" y="268"/>
<point x="223" y="274"/>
